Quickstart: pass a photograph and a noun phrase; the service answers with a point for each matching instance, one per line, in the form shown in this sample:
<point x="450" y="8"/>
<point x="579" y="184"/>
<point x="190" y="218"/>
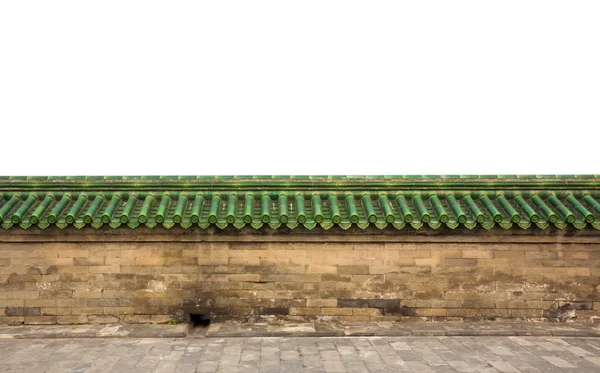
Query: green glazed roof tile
<point x="402" y="202"/>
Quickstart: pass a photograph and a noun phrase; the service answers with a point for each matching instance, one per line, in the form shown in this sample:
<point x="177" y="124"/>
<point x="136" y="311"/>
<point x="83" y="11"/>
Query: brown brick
<point x="353" y="319"/>
<point x="71" y="302"/>
<point x="87" y="310"/>
<point x="9" y="320"/>
<point x="305" y="311"/>
<point x="377" y="269"/>
<point x="289" y="286"/>
<point x="55" y="311"/>
<point x="430" y="312"/>
<point x="321" y="302"/>
<point x="321" y="269"/>
<point x="74" y="270"/>
<point x="452" y="262"/>
<point x="525" y="270"/>
<point x="212" y="261"/>
<point x="247" y="277"/>
<point x="509" y="254"/>
<point x="87" y="294"/>
<point x="148" y="261"/>
<point x="40" y="302"/>
<point x="373" y="312"/>
<point x="540" y="304"/>
<point x="229" y="269"/>
<point x="103" y="302"/>
<point x="245" y="261"/>
<point x="526" y="313"/>
<point x="138" y="319"/>
<point x="290" y="268"/>
<point x="119" y="310"/>
<point x="66" y="320"/>
<point x="110" y="261"/>
<point x="353" y="270"/>
<point x="336" y="311"/>
<point x="88" y="261"/>
<point x="426" y="262"/>
<point x="106" y="269"/>
<point x="39" y="320"/>
<point x="79" y="253"/>
<point x="103" y="319"/>
<point x="581" y="255"/>
<point x="477" y="303"/>
<point x="12" y="303"/>
<point x="477" y="254"/>
<point x="22" y="311"/>
<point x="23" y="294"/>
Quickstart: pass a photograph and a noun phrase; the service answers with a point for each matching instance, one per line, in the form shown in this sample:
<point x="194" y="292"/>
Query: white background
<point x="299" y="87"/>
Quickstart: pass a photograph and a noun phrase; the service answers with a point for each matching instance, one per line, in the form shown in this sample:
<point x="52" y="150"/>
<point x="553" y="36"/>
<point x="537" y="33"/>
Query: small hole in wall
<point x="200" y="319"/>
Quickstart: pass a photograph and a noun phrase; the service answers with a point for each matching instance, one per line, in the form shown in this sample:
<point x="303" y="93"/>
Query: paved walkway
<point x="302" y="354"/>
<point x="310" y="329"/>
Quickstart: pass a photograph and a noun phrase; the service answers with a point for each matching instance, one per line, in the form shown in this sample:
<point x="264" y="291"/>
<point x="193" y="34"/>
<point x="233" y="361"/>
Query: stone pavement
<point x="274" y="328"/>
<point x="302" y="354"/>
<point x="94" y="331"/>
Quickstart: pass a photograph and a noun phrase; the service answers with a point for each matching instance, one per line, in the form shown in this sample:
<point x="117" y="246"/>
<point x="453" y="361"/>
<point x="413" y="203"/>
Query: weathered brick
<point x="71" y="302"/>
<point x="509" y="254"/>
<point x="87" y="294"/>
<point x="321" y="269"/>
<point x="23" y="294"/>
<point x="276" y="311"/>
<point x="40" y="302"/>
<point x="353" y="270"/>
<point x="73" y="270"/>
<point x="321" y="302"/>
<point x="39" y="320"/>
<point x="22" y="311"/>
<point x="87" y="310"/>
<point x="373" y="312"/>
<point x="452" y="275"/>
<point x="431" y="312"/>
<point x="245" y="261"/>
<point x="67" y="320"/>
<point x="336" y="311"/>
<point x="55" y="311"/>
<point x="103" y="319"/>
<point x="368" y="303"/>
<point x="477" y="254"/>
<point x="119" y="310"/>
<point x="453" y="262"/>
<point x="78" y="253"/>
<point x="149" y="261"/>
<point x="576" y="305"/>
<point x="88" y="261"/>
<point x="103" y="302"/>
<point x="305" y="311"/>
<point x="12" y="303"/>
<point x="247" y="277"/>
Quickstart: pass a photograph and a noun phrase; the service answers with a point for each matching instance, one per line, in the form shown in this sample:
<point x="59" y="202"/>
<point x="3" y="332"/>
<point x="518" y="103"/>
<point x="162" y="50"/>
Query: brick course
<point x="106" y="276"/>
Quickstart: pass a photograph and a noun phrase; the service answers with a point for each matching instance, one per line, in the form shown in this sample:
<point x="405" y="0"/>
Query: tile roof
<point x="509" y="201"/>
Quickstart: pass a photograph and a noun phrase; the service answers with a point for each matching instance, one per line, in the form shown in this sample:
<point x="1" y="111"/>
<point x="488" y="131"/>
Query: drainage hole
<point x="200" y="319"/>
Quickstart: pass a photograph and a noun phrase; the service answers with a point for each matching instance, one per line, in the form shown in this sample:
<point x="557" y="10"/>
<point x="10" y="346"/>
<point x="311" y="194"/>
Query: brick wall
<point x="107" y="276"/>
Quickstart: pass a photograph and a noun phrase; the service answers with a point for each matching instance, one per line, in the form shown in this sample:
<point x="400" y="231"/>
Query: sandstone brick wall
<point x="106" y="276"/>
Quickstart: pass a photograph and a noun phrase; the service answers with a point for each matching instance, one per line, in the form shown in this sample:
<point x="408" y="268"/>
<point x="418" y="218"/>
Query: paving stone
<point x="165" y="367"/>
<point x="291" y="355"/>
<point x="461" y="366"/>
<point x="504" y="367"/>
<point x="418" y="366"/>
<point x="500" y="350"/>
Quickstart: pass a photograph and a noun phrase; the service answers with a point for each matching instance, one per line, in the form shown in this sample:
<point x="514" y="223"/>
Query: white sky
<point x="299" y="87"/>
